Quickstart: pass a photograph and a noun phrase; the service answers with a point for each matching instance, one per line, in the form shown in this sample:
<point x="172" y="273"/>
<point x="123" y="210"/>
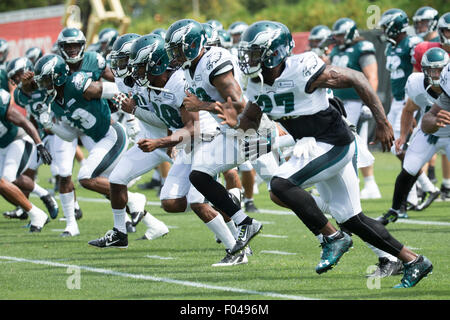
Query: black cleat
<point x="386" y="268"/>
<point x="136" y="217"/>
<point x="78" y="214"/>
<point x="445" y="193"/>
<point x="149" y="185"/>
<point x="390" y="216"/>
<point x="51" y="205"/>
<point x="112" y="239"/>
<point x="250" y="206"/>
<point x="17" y="213"/>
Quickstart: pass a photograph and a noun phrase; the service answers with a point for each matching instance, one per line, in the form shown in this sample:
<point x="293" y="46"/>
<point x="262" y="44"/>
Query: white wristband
<point x="110" y="89"/>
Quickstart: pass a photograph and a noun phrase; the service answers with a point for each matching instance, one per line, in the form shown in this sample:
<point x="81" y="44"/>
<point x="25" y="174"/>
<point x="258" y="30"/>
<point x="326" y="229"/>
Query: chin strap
<point x="157" y="88"/>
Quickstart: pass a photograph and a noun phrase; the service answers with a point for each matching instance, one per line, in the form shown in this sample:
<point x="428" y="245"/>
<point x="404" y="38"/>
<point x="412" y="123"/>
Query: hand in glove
<point x="45" y="118"/>
<point x="133" y="128"/>
<point x="43" y="153"/>
<point x="306" y="147"/>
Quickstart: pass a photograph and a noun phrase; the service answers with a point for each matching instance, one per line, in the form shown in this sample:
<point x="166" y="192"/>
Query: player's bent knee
<point x="174" y="205"/>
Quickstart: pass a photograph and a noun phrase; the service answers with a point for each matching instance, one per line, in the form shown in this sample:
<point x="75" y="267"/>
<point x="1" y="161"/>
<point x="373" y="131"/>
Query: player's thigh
<point x="341" y="192"/>
<point x="305" y="172"/>
<point x="419" y="152"/>
<point x="105" y="154"/>
<point x="135" y="163"/>
<point x="17" y="158"/>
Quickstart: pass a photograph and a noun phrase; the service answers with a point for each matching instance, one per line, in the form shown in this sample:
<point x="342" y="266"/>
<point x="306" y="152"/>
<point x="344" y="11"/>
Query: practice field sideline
<point x="178" y="266"/>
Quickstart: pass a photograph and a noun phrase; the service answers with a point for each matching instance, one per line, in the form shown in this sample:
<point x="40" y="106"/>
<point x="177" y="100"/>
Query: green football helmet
<point x="433" y="61"/>
<point x="160" y="31"/>
<point x="49" y="71"/>
<point x="120" y="54"/>
<point x="444" y="24"/>
<point x="216" y="24"/>
<point x="147" y="56"/>
<point x="185" y="40"/>
<point x="16" y="67"/>
<point x="106" y="38"/>
<point x="393" y="22"/>
<point x="344" y="27"/>
<point x="288" y="35"/>
<point x="225" y="39"/>
<point x="4" y="50"/>
<point x="263" y="45"/>
<point x="212" y="36"/>
<point x="66" y="40"/>
<point x="237" y="27"/>
<point x="34" y="54"/>
<point x="425" y="14"/>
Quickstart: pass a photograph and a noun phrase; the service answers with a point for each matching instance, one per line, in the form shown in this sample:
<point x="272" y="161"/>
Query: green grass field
<point x="178" y="266"/>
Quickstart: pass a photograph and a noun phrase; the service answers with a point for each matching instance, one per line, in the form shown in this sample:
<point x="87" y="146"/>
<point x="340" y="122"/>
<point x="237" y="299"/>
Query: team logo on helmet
<point x="266" y="37"/>
<point x="181" y="33"/>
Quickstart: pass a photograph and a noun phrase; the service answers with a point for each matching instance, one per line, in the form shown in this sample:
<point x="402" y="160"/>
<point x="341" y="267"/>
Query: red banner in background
<point x="301" y="42"/>
<point x="37" y="27"/>
<point x="24" y="29"/>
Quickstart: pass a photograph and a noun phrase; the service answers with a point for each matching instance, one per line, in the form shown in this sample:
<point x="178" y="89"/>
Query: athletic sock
<point x="120" y="216"/>
<point x="446" y="183"/>
<point x="380" y="253"/>
<point x="239" y="217"/>
<point x="425" y="183"/>
<point x="233" y="229"/>
<point x="68" y="207"/>
<point x="39" y="191"/>
<point x="220" y="229"/>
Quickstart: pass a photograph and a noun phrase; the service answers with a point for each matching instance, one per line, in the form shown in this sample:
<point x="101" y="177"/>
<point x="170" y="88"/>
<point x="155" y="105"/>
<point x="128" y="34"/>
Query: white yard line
<point x="278" y="252"/>
<point x="159" y="257"/>
<point x="159" y="279"/>
<point x="272" y="236"/>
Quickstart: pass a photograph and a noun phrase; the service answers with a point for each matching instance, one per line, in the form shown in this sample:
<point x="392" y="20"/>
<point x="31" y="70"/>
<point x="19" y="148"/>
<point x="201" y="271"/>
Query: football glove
<point x="133" y="128"/>
<point x="43" y="153"/>
<point x="45" y="118"/>
<point x="306" y="147"/>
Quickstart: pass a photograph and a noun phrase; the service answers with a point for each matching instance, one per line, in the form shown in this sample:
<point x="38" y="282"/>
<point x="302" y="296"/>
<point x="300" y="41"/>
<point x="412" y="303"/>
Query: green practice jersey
<point x="399" y="63"/>
<point x="93" y="65"/>
<point x="349" y="58"/>
<point x="32" y="103"/>
<point x="92" y="117"/>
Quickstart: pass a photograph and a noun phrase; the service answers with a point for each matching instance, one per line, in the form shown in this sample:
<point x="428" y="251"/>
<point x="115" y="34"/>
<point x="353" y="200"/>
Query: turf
<point x="178" y="266"/>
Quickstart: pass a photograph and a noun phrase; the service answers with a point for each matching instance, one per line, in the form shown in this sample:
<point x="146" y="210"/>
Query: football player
<point x="211" y="76"/>
<point x="325" y="145"/>
<point x="19" y="141"/>
<point x="131" y="51"/>
<point x="423" y="90"/>
<point x="16" y="69"/>
<point x="318" y="38"/>
<point x="425" y="23"/>
<point x="81" y="105"/>
<point x="4" y="51"/>
<point x="352" y="51"/>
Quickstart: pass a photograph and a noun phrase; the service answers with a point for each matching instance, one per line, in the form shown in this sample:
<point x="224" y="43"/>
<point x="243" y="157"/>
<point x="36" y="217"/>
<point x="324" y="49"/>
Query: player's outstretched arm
<point x="250" y="118"/>
<point x="336" y="77"/>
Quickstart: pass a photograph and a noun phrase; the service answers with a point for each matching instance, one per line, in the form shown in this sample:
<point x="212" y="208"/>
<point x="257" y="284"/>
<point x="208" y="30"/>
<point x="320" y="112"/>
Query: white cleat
<point x="136" y="202"/>
<point x="155" y="228"/>
<point x="232" y="260"/>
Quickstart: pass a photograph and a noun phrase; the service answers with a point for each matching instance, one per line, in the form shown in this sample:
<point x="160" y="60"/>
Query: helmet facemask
<point x="119" y="64"/>
<point x="69" y="51"/>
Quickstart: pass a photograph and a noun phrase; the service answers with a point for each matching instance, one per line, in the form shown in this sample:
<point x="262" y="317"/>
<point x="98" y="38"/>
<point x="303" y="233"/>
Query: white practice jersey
<point x="167" y="105"/>
<point x="416" y="91"/>
<point x="214" y="62"/>
<point x="287" y="96"/>
<point x="444" y="100"/>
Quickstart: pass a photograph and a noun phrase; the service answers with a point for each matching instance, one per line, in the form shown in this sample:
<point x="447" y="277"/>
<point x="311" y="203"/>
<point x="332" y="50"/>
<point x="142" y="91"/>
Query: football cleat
<point x="428" y="200"/>
<point x="332" y="251"/>
<point x="51" y="205"/>
<point x="78" y="214"/>
<point x="445" y="193"/>
<point x="386" y="268"/>
<point x="246" y="233"/>
<point x="149" y="185"/>
<point x="415" y="271"/>
<point x="112" y="239"/>
<point x="130" y="227"/>
<point x="370" y="193"/>
<point x="390" y="216"/>
<point x="35" y="229"/>
<point x="250" y="206"/>
<point x="232" y="260"/>
<point x="136" y="217"/>
<point x="17" y="213"/>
